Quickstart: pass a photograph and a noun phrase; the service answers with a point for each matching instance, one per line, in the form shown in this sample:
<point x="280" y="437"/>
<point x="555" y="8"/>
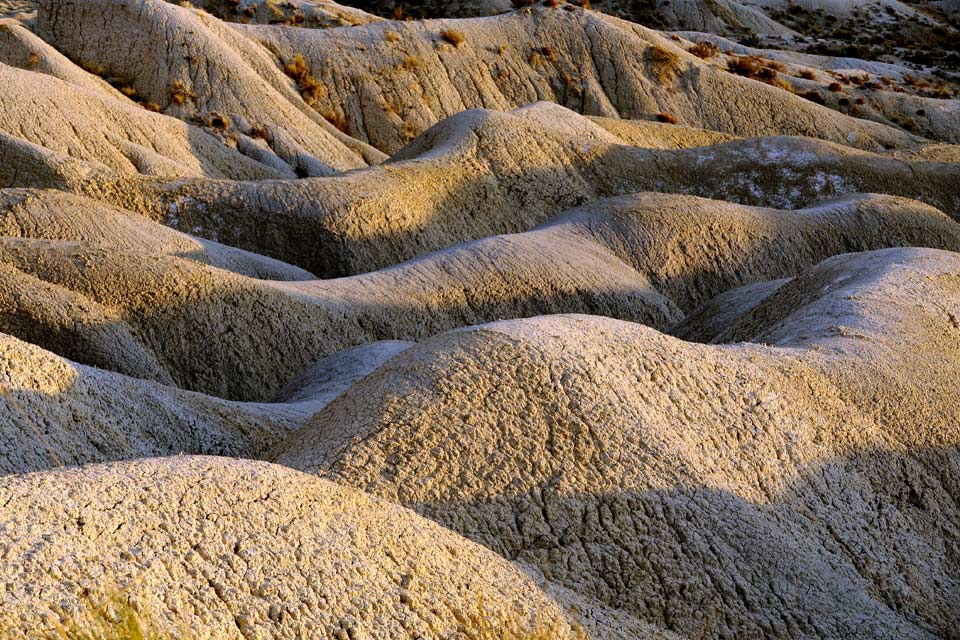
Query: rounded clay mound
<point x="239" y="549"/>
<point x="734" y="488"/>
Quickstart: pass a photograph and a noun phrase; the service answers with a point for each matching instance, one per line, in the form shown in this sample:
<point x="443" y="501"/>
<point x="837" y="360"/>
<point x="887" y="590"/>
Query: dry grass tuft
<point x="704" y="50"/>
<point x="391" y="36"/>
<point x="813" y="96"/>
<point x="338" y="120"/>
<point x="941" y="91"/>
<point x="95" y="69"/>
<point x="180" y="93"/>
<point x="453" y="36"/>
<point x="299" y="71"/>
<point x="835" y="87"/>
<point x="669" y="118"/>
<point x="746" y="66"/>
<point x="808" y="74"/>
<point x="297" y="68"/>
<point x="410" y="63"/>
<point x="663" y="62"/>
<point x="757" y="68"/>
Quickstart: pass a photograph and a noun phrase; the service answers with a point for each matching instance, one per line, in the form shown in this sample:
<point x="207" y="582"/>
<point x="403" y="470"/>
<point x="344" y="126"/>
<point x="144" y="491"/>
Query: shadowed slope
<point x="56" y="412"/>
<point x="238" y="337"/>
<point x="481" y="173"/>
<point x="791" y="492"/>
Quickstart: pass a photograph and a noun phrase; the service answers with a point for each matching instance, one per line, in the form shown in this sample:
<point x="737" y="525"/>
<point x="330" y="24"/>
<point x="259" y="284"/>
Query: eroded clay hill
<point x="109" y="289"/>
<point x="920" y="33"/>
<point x="769" y="459"/>
<point x="240" y="549"/>
<point x="483" y="172"/>
<point x="316" y="322"/>
<point x="205" y="73"/>
<point x="384" y="83"/>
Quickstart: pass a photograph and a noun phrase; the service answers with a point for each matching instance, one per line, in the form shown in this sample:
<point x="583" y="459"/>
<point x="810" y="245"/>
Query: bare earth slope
<point x="735" y="488"/>
<point x="91" y="125"/>
<point x="56" y="412"/>
<point x="241" y="549"/>
<point x="541" y="324"/>
<point x="484" y="172"/>
<point x="386" y="88"/>
<point x="199" y="69"/>
<point x="647" y="258"/>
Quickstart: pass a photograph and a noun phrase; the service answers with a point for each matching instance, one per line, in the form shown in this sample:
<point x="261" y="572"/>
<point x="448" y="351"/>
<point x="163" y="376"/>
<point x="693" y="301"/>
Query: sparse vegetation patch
<point x="299" y="71"/>
<point x="180" y="93"/>
<point x="704" y="50"/>
<point x="664" y="63"/>
<point x="453" y="36"/>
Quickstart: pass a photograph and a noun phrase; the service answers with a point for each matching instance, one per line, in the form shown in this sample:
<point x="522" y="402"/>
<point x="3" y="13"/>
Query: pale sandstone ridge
<point x="804" y="489"/>
<point x="719" y="16"/>
<point x="228" y="549"/>
<point x="389" y="90"/>
<point x="647" y="258"/>
<point x="769" y="18"/>
<point x="21" y="48"/>
<point x="90" y="124"/>
<point x="386" y="82"/>
<point x="195" y="67"/>
<point x="310" y="14"/>
<point x="23" y="11"/>
<point x="480" y="173"/>
<point x="882" y="92"/>
<point x="56" y="412"/>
